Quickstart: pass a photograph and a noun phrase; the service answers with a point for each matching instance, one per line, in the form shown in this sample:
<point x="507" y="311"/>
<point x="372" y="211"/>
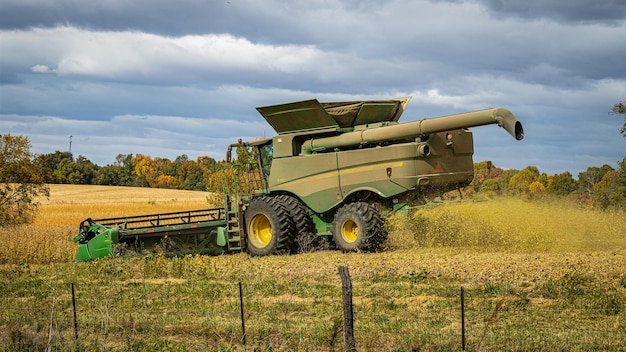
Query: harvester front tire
<point x="269" y="227"/>
<point x="304" y="228"/>
<point x="358" y="226"/>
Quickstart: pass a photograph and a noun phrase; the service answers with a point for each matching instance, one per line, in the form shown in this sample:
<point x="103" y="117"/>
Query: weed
<point x="417" y="276"/>
<point x="309" y="242"/>
<point x="140" y="345"/>
<point x="335" y="330"/>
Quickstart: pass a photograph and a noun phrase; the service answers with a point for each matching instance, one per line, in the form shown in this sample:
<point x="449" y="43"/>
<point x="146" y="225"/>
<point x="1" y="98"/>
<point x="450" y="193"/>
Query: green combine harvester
<point x="333" y="170"/>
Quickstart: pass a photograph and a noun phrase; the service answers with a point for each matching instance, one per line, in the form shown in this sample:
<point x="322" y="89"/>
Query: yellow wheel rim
<point x="260" y="231"/>
<point x="349" y="231"/>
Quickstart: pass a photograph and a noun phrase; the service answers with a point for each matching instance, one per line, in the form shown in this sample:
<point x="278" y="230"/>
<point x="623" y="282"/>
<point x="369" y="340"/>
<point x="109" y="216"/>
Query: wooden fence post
<point x="243" y="323"/>
<point x="462" y="319"/>
<point x="75" y="320"/>
<point x="348" y="318"/>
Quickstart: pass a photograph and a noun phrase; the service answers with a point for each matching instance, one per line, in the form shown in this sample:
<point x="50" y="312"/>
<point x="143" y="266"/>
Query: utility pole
<point x="71" y="148"/>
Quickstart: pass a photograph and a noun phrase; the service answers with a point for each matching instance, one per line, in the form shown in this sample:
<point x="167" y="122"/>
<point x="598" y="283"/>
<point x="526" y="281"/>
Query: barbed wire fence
<point x="69" y="318"/>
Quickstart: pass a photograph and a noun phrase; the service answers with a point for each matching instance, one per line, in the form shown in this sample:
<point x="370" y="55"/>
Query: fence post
<point x="75" y="320"/>
<point x="243" y="323"/>
<point x="462" y="319"/>
<point x="348" y="318"/>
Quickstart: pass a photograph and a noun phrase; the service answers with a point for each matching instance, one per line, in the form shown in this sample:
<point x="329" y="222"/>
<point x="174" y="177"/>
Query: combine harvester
<point x="334" y="169"/>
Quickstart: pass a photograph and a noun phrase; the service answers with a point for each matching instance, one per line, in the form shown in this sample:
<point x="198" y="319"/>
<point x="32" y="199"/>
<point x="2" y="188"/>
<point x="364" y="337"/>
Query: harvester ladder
<point x="234" y="231"/>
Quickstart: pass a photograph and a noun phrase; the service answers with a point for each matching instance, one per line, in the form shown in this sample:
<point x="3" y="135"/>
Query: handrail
<point x="163" y="219"/>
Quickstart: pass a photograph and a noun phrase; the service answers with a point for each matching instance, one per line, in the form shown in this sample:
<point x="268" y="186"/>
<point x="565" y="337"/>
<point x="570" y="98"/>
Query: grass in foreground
<point x="403" y="300"/>
<point x="537" y="277"/>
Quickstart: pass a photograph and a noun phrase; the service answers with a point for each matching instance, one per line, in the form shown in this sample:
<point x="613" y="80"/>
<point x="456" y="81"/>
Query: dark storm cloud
<point x="586" y="11"/>
<point x="249" y="19"/>
<point x="267" y="21"/>
<point x="174" y="17"/>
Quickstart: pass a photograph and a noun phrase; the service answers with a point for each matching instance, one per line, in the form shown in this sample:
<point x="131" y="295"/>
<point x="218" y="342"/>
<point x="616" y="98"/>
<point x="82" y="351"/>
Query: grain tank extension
<point x="333" y="169"/>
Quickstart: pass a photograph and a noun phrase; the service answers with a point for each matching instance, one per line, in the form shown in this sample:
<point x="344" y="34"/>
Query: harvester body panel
<point x="323" y="180"/>
<point x="313" y="178"/>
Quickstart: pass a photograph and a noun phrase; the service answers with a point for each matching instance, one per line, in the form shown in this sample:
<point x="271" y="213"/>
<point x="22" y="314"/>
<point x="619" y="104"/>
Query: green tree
<point x="620" y="109"/>
<point x="520" y="182"/>
<point x="207" y="162"/>
<point x="166" y="166"/>
<point x="125" y="164"/>
<point x="79" y="172"/>
<point x="588" y="179"/>
<point x="86" y="170"/>
<point x="498" y="181"/>
<point x="65" y="171"/>
<point x="195" y="182"/>
<point x="562" y="184"/>
<point x="610" y="192"/>
<point x="108" y="175"/>
<point x="247" y="158"/>
<point x="191" y="175"/>
<point x="20" y="181"/>
<point x="49" y="163"/>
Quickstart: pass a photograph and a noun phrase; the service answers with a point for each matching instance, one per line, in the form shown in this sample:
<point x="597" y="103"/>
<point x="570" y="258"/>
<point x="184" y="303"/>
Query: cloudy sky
<point x="167" y="78"/>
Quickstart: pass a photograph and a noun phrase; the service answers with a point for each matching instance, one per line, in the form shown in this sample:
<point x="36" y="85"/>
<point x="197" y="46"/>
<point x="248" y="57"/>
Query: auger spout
<point x="397" y="131"/>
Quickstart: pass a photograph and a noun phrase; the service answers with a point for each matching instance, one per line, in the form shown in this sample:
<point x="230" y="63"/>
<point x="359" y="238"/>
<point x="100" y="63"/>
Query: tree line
<point x="137" y="170"/>
<point x="601" y="187"/>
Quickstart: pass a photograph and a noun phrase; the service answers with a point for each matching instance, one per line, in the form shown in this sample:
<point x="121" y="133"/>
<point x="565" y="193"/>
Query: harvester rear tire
<point x="304" y="228"/>
<point x="359" y="227"/>
<point x="269" y="227"/>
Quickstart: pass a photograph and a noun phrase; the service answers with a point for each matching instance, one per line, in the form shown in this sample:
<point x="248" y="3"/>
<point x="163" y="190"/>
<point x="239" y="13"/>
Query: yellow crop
<point x="47" y="239"/>
<point x="509" y="223"/>
<point x="506" y="223"/>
